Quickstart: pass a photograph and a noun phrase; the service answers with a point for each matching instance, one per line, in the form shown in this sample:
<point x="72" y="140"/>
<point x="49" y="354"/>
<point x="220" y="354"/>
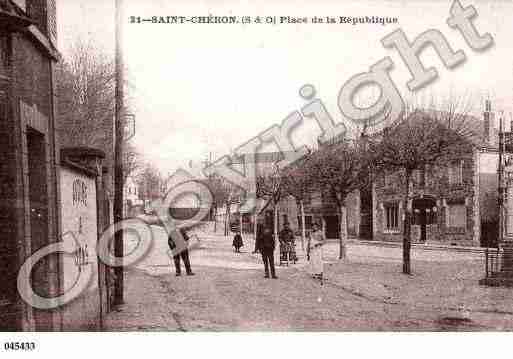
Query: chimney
<point x="44" y="14"/>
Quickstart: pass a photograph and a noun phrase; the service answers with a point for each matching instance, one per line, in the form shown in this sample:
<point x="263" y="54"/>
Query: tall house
<point x="29" y="201"/>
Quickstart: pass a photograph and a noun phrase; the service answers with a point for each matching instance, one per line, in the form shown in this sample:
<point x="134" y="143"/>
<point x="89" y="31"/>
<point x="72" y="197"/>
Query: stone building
<point x="450" y="202"/>
<point x="454" y="203"/>
<point x="29" y="215"/>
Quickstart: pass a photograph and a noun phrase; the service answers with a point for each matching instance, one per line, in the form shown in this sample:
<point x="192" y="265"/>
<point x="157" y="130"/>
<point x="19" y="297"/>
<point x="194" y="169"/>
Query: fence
<point x="493" y="261"/>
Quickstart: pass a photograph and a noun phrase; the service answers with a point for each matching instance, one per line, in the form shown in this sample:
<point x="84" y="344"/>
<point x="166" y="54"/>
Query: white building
<point x="131" y="198"/>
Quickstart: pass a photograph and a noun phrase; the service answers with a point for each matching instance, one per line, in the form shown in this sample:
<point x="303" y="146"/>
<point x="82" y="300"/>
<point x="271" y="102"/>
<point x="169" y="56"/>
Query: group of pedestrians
<point x="265" y="243"/>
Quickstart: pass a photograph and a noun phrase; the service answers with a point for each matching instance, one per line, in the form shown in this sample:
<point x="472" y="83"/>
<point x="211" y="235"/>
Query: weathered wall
<point x="80" y="235"/>
<point x="437" y="186"/>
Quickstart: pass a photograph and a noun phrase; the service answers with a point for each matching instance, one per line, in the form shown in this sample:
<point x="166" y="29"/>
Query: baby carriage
<point x="287" y="252"/>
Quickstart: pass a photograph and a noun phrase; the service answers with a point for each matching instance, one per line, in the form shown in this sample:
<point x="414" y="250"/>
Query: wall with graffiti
<point x="80" y="235"/>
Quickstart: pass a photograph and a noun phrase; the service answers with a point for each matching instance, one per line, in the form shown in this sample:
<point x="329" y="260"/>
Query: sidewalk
<point x="145" y="308"/>
<point x="428" y="246"/>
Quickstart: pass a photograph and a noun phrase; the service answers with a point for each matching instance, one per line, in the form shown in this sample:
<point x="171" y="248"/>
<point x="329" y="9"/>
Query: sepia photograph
<point x="305" y="175"/>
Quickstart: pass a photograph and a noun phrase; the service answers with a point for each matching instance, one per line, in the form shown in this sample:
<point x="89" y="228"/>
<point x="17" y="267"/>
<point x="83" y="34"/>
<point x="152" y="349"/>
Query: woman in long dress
<point x="316" y="242"/>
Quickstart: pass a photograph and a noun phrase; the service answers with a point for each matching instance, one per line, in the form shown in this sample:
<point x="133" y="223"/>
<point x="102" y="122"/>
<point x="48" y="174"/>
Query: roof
<point x="265" y="161"/>
<point x="15" y="19"/>
<point x="470" y="126"/>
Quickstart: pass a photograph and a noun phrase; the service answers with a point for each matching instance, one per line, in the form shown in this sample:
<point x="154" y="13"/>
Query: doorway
<point x="332" y="227"/>
<point x="38" y="207"/>
<point x="366" y="213"/>
<point x="424" y="211"/>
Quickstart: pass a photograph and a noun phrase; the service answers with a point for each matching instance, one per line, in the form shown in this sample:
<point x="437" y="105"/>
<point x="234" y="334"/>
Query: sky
<point x="198" y="89"/>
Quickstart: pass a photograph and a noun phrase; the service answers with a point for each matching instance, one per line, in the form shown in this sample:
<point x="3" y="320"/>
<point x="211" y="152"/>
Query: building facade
<point x="453" y="203"/>
<point x="43" y="196"/>
<point x="444" y="203"/>
<point x="29" y="199"/>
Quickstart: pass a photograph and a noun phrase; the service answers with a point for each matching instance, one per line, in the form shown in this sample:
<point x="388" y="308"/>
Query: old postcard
<point x="255" y="166"/>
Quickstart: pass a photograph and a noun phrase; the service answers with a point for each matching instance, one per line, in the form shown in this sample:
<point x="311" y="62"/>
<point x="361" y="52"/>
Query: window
<point x="429" y="175"/>
<point x="417" y="177"/>
<point x="391" y="216"/>
<point x="388" y="179"/>
<point x="308" y="222"/>
<point x="456" y="172"/>
<point x="456" y="215"/>
<point x="4" y="56"/>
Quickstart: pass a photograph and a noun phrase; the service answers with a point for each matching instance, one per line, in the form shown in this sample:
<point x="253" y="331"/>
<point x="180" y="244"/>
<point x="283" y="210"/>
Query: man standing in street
<point x="184" y="254"/>
<point x="265" y="243"/>
<point x="259" y="231"/>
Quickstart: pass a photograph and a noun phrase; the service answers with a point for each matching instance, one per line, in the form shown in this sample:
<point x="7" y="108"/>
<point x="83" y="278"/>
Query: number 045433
<point x="15" y="346"/>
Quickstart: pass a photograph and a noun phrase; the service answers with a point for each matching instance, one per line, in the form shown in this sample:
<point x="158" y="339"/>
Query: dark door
<point x="38" y="201"/>
<point x="423" y="208"/>
<point x="366" y="213"/>
<point x="423" y="225"/>
<point x="332" y="227"/>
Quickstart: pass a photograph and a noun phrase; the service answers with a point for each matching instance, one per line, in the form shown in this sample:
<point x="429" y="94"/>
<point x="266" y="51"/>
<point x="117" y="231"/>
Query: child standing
<point x="237" y="242"/>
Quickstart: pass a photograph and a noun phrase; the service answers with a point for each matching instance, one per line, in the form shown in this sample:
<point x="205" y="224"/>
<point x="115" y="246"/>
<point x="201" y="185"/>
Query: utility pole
<point x="506" y="242"/>
<point x="118" y="153"/>
<point x="501" y="181"/>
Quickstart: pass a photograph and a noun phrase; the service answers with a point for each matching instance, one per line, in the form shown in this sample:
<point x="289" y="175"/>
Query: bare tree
<point x="421" y="138"/>
<point x="297" y="181"/>
<point x="223" y="194"/>
<point x="150" y="182"/>
<point x="269" y="187"/>
<point x="85" y="106"/>
<point x="85" y="97"/>
<point x="132" y="161"/>
<point x="338" y="170"/>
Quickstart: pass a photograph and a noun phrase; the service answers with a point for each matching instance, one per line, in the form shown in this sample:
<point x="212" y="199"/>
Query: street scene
<point x="365" y="293"/>
<point x="235" y="166"/>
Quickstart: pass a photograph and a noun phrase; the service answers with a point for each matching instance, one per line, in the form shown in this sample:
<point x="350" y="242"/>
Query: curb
<point x="426" y="247"/>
